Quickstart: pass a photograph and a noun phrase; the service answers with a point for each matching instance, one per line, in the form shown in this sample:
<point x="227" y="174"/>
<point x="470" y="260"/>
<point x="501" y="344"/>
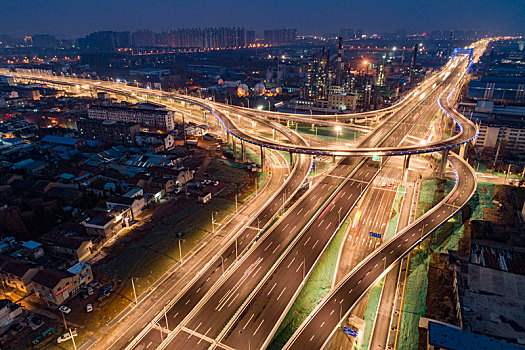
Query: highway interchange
<point x="246" y="304"/>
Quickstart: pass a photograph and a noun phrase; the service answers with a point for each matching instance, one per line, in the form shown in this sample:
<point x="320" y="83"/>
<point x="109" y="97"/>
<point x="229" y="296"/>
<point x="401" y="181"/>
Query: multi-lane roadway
<point x="244" y="305"/>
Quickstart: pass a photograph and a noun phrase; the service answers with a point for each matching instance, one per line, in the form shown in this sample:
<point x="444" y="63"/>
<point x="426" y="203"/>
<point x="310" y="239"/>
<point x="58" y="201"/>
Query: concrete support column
<point x="273" y="134"/>
<point x="453" y="130"/>
<point x="333" y="159"/>
<point x="262" y="157"/>
<point x="463" y="150"/>
<point x="406" y="164"/>
<point x="444" y="159"/>
<point x="291" y="160"/>
<point x="243" y="151"/>
<point x="234" y="142"/>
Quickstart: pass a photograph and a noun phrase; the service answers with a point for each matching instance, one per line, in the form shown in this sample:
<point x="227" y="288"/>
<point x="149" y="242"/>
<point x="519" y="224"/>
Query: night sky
<point x="73" y="18"/>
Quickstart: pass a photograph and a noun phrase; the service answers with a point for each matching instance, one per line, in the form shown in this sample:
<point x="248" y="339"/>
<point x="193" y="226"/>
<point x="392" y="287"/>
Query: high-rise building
<point x="413" y="62"/>
<point x="44" y="41"/>
<point x="280" y="36"/>
<point x="359" y="33"/>
<point x="105" y="41"/>
<point x="250" y="37"/>
<point x="143" y="38"/>
<point x="317" y="83"/>
<point x="347" y="33"/>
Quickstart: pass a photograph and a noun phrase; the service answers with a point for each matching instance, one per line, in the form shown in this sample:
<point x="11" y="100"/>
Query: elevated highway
<point x="216" y="317"/>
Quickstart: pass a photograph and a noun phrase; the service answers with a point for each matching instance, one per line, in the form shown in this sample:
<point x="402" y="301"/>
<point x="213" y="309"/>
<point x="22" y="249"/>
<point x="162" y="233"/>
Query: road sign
<point x="376" y="158"/>
<point x="376" y="235"/>
<point x="351" y="332"/>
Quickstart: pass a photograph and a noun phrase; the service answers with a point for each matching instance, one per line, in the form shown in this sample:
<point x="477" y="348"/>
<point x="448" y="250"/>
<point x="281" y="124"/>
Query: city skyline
<point x="62" y="20"/>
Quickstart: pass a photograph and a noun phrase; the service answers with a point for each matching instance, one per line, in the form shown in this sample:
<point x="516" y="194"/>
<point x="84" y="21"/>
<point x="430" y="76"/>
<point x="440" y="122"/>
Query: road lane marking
<point x="260" y="324"/>
<point x="246" y="325"/>
<point x="281" y="293"/>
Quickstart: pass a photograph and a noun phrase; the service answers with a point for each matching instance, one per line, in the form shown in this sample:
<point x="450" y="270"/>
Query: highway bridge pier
<point x="406" y="164"/>
<point x="444" y="159"/>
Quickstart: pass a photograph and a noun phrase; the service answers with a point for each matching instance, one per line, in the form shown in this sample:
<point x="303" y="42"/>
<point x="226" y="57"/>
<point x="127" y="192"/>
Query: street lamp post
<point x="180" y="252"/>
<point x="166" y="318"/>
<point x="72" y="339"/>
<point x="249" y="342"/>
<point x="337" y="131"/>
<point x="134" y="291"/>
<point x="64" y="319"/>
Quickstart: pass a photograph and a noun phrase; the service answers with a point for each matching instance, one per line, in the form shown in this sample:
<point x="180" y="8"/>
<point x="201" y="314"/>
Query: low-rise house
<point x="180" y="176"/>
<point x="53" y="286"/>
<point x="135" y="204"/>
<point x="30" y="166"/>
<point x="67" y="194"/>
<point x="76" y="247"/>
<point x="166" y="185"/>
<point x="8" y="312"/>
<point x="33" y="249"/>
<point x="82" y="275"/>
<point x="102" y="225"/>
<point x="63" y="141"/>
<point x="18" y="274"/>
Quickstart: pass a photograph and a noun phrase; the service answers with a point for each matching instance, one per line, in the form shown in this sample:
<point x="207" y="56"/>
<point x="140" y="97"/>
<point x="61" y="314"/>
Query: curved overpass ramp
<point x="317" y="329"/>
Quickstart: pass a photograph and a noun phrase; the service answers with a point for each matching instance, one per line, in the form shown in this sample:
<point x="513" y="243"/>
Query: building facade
<point x="149" y="117"/>
<point x="108" y="130"/>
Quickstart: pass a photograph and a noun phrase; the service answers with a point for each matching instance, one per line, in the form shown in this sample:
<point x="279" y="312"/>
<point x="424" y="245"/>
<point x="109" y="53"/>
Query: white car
<point x="66" y="336"/>
<point x="89" y="307"/>
<point x="64" y="309"/>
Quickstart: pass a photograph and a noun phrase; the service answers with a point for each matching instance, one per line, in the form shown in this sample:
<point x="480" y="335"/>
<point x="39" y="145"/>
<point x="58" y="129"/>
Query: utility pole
<point x="64" y="318"/>
<point x="72" y="339"/>
<point x="180" y="252"/>
<point x="166" y="318"/>
<point x="134" y="291"/>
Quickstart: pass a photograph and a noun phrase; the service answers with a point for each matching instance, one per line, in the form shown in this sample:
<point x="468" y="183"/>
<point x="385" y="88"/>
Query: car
<point x="215" y="183"/>
<point x="90" y="291"/>
<point x="37" y="320"/>
<point x="84" y="295"/>
<point x="66" y="336"/>
<point x="89" y="307"/>
<point x="64" y="309"/>
<point x="103" y="297"/>
<point x="17" y="327"/>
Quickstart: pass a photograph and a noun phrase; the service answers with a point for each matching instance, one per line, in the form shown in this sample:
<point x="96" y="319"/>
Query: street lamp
<point x="249" y="342"/>
<point x="337" y="131"/>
